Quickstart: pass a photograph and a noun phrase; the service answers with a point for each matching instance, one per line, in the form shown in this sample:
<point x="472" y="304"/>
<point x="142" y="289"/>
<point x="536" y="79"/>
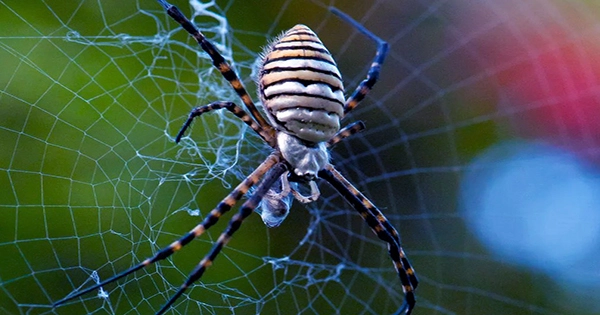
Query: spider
<point x="301" y="90"/>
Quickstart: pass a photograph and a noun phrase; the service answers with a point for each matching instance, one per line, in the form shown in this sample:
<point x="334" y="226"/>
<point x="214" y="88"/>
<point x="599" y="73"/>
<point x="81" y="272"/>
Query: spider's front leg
<point x="382" y="228"/>
<point x="234" y="224"/>
<point x="224" y="206"/>
<point x="277" y="202"/>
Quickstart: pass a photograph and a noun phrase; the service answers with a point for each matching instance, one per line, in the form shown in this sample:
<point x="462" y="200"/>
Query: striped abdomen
<point x="301" y="87"/>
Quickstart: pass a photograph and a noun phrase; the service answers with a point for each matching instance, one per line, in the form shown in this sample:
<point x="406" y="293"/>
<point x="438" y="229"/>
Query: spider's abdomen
<point x="301" y="87"/>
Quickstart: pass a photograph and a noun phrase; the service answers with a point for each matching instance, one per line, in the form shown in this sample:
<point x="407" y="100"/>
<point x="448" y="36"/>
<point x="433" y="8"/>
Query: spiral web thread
<point x="92" y="93"/>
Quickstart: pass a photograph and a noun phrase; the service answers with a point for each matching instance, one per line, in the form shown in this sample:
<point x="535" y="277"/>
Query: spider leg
<point x="314" y="193"/>
<point x="379" y="216"/>
<point x="382" y="228"/>
<point x="285" y="187"/>
<point x="236" y="110"/>
<point x="234" y="224"/>
<point x="367" y="84"/>
<point x="218" y="61"/>
<point x="346" y="132"/>
<point x="225" y="205"/>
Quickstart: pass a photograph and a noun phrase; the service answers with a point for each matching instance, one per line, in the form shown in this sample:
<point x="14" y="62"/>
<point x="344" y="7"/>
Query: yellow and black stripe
<point x="346" y="132"/>
<point x="225" y="205"/>
<point x="236" y="110"/>
<point x="381" y="227"/>
<point x="219" y="63"/>
<point x="234" y="224"/>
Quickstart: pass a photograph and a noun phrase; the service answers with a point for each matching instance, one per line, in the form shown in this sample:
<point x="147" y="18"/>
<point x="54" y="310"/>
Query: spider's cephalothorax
<point x="302" y="93"/>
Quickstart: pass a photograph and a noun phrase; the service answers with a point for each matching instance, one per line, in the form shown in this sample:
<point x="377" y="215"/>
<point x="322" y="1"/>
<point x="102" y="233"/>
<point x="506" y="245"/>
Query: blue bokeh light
<point x="536" y="206"/>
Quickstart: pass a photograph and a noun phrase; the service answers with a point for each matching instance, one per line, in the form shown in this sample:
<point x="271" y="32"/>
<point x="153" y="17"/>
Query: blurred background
<point x="482" y="147"/>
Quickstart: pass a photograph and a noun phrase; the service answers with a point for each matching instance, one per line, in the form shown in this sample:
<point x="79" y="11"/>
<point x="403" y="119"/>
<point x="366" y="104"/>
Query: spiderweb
<point x="481" y="148"/>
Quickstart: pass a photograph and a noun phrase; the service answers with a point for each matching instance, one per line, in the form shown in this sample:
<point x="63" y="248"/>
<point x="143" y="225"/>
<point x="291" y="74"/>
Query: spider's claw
<point x="170" y="302"/>
<point x="409" y="301"/>
<point x="76" y="295"/>
<point x="407" y="305"/>
<point x="180" y="135"/>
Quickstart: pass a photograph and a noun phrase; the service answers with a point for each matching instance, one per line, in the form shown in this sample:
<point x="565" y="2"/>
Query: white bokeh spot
<point x="535" y="206"/>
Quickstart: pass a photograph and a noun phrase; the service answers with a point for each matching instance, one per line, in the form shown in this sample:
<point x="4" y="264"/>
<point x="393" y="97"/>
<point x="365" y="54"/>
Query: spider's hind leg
<point x="218" y="61"/>
<point x="236" y="110"/>
<point x="367" y="84"/>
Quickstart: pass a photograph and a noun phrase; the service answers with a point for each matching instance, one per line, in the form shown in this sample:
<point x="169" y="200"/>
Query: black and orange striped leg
<point x="346" y="132"/>
<point x="225" y="205"/>
<point x="247" y="208"/>
<point x="367" y="84"/>
<point x="379" y="216"/>
<point x="218" y="61"/>
<point x="236" y="110"/>
<point x="382" y="228"/>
